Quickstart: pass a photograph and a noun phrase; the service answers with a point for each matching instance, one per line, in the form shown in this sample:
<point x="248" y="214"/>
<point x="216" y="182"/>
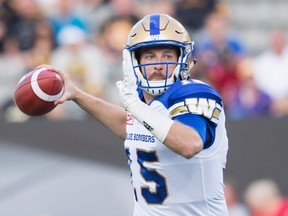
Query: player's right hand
<point x="69" y="88"/>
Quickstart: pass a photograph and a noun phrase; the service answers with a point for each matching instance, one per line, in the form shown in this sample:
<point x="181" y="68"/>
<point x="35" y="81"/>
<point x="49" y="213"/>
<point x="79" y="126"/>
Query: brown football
<point x="37" y="90"/>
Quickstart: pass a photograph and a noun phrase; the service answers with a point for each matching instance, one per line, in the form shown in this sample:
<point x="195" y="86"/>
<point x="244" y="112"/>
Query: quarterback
<point x="173" y="126"/>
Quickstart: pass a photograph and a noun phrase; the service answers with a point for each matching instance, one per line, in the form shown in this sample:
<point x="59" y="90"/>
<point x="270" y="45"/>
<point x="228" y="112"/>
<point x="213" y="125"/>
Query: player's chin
<point x="157" y="78"/>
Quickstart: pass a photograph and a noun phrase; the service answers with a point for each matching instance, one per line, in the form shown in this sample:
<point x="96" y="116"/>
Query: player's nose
<point x="159" y="66"/>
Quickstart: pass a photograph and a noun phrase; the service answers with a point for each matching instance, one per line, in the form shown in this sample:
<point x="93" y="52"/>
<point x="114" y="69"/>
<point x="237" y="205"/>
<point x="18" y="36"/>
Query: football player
<point x="173" y="126"/>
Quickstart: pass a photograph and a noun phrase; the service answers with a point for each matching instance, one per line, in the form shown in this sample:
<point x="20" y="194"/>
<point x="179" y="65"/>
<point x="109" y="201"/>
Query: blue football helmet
<point x="160" y="30"/>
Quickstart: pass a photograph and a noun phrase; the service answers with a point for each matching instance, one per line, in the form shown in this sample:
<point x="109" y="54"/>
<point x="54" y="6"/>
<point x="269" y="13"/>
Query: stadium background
<point x="72" y="167"/>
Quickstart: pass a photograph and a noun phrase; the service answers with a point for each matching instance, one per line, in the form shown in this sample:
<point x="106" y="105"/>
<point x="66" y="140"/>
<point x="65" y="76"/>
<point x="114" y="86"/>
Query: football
<point x="37" y="90"/>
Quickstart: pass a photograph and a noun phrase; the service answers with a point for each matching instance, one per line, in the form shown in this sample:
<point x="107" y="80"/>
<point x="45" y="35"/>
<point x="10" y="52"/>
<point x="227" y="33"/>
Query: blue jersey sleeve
<point x="196" y="104"/>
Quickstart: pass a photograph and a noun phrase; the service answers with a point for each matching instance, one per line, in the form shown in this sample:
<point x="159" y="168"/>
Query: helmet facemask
<point x="171" y="34"/>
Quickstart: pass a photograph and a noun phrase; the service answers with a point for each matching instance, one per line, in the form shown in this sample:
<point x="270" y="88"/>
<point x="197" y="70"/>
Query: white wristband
<point x="157" y="123"/>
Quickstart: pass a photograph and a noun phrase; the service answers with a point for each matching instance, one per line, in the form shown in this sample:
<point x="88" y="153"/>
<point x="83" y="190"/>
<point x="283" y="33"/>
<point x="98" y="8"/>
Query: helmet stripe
<point x="155" y="24"/>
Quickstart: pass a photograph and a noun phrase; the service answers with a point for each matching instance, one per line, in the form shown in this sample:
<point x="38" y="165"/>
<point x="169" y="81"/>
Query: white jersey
<point x="168" y="184"/>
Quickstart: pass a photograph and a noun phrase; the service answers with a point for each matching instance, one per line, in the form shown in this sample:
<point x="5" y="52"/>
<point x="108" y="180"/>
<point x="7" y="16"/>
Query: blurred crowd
<point x="85" y="38"/>
<point x="262" y="197"/>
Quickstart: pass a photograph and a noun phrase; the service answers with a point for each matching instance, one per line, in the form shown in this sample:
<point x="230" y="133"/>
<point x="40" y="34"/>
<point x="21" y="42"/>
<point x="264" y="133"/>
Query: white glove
<point x="155" y="122"/>
<point x="127" y="88"/>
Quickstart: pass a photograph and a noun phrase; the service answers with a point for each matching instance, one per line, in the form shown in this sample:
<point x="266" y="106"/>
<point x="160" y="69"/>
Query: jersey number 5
<point x="151" y="175"/>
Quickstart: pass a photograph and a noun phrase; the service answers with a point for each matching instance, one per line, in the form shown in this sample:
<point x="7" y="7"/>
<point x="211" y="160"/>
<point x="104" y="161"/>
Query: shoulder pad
<point x="195" y="97"/>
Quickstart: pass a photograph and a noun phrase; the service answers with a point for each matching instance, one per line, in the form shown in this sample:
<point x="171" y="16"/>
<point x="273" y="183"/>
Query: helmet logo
<point x="155" y="37"/>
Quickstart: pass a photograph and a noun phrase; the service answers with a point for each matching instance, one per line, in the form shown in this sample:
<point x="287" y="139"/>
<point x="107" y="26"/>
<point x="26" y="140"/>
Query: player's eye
<point x="168" y="57"/>
<point x="148" y="56"/>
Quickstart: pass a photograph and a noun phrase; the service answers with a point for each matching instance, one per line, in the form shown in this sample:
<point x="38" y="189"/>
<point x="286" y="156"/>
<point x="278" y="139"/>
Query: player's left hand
<point x="127" y="88"/>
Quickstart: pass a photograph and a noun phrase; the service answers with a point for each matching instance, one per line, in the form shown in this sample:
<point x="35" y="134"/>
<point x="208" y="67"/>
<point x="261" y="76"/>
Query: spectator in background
<point x="193" y="13"/>
<point x="110" y="41"/>
<point x="103" y="11"/>
<point x="264" y="199"/>
<point x="12" y="68"/>
<point x="234" y="205"/>
<point x="84" y="62"/>
<point x="22" y="22"/>
<point x="249" y="100"/>
<point x="271" y="72"/>
<point x="218" y="54"/>
<point x="65" y="14"/>
<point x="44" y="44"/>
